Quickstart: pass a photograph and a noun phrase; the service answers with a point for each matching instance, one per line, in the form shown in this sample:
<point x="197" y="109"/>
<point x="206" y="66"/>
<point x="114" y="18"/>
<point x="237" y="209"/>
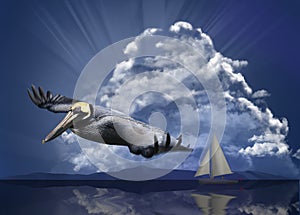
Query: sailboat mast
<point x="211" y="176"/>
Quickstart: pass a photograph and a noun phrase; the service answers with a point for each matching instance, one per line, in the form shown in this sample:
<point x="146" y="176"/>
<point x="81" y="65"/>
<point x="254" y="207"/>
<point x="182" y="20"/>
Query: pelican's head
<point x="79" y="111"/>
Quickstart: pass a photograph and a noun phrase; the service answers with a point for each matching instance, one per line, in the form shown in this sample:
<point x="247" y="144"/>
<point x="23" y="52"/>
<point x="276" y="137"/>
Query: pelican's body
<point x="101" y="125"/>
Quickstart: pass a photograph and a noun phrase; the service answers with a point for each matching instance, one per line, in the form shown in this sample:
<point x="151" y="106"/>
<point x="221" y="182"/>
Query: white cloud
<point x="266" y="148"/>
<point x="244" y="105"/>
<point x="260" y="94"/>
<point x="134" y="46"/>
<point x="131" y="47"/>
<point x="69" y="138"/>
<point x="180" y="25"/>
<point x="297" y="154"/>
<point x="123" y="66"/>
<point x="271" y="140"/>
<point x="80" y="161"/>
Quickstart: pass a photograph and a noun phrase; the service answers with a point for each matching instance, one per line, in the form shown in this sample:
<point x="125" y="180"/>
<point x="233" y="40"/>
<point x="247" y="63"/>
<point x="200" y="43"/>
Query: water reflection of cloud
<point x="114" y="201"/>
<point x="102" y="202"/>
<point x="258" y="209"/>
<point x="204" y="200"/>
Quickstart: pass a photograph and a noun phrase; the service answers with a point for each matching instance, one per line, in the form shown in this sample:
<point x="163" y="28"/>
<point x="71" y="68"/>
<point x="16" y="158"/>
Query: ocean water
<point x="151" y="197"/>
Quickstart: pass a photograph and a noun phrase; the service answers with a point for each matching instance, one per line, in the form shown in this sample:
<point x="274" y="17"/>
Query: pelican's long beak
<point x="61" y="127"/>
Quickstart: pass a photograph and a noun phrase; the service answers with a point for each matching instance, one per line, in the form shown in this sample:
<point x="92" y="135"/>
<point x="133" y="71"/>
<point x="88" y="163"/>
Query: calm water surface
<point x="152" y="197"/>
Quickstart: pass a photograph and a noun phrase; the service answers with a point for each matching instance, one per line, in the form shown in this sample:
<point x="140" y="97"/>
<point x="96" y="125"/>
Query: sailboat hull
<point x="217" y="181"/>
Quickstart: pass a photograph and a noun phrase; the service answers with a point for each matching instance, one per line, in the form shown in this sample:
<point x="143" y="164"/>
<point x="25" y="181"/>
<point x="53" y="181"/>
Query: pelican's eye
<point x="77" y="109"/>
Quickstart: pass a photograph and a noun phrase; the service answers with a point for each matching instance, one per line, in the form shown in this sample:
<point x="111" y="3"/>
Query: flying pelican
<point x="105" y="126"/>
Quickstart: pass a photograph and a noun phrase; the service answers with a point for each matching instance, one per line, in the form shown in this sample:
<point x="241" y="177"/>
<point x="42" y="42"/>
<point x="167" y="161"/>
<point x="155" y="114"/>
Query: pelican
<point x="105" y="126"/>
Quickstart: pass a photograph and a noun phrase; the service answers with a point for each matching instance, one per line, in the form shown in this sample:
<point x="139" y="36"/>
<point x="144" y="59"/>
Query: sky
<point x="252" y="46"/>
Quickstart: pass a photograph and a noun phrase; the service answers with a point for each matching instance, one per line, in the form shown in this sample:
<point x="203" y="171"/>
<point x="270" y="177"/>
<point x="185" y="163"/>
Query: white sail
<point x="204" y="166"/>
<point x="219" y="165"/>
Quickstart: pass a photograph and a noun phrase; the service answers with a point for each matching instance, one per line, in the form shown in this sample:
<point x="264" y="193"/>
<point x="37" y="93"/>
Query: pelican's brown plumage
<point x="105" y="126"/>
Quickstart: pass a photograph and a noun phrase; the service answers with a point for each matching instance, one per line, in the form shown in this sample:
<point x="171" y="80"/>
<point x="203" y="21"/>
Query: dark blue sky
<point x="43" y="43"/>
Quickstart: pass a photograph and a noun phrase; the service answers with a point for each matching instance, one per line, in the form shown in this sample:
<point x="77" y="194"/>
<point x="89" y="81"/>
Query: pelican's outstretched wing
<point x="56" y="104"/>
<point x="141" y="138"/>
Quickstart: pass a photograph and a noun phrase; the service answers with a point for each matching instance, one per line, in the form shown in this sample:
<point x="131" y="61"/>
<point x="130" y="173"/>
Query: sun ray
<point x="76" y="16"/>
<point x="61" y="41"/>
<point x="237" y="36"/>
<point x="102" y="20"/>
<point x="216" y="18"/>
<point x="93" y="28"/>
<point x="259" y="37"/>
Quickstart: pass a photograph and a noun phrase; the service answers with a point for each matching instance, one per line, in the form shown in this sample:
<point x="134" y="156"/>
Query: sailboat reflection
<point x="212" y="204"/>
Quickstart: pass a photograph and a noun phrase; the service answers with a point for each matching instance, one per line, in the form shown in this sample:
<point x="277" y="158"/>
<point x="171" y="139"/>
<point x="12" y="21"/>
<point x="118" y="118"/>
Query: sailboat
<point x="214" y="164"/>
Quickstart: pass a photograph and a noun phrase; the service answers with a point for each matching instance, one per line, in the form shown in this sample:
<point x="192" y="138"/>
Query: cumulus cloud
<point x="134" y="47"/>
<point x="260" y="94"/>
<point x="297" y="154"/>
<point x="251" y="130"/>
<point x="235" y="87"/>
<point x="267" y="144"/>
<point x="80" y="161"/>
<point x="181" y="25"/>
<point x="69" y="138"/>
<point x="121" y="67"/>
